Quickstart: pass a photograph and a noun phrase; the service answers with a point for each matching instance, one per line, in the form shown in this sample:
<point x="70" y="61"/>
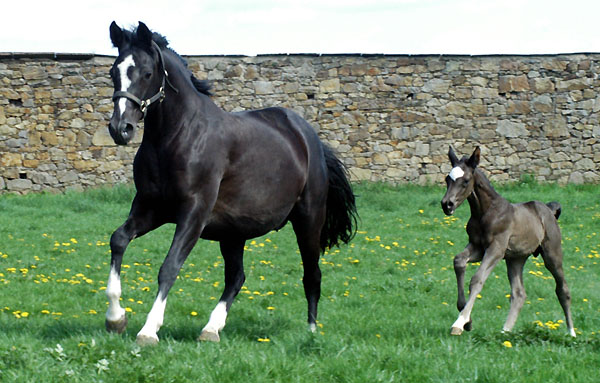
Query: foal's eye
<point x="147" y="75"/>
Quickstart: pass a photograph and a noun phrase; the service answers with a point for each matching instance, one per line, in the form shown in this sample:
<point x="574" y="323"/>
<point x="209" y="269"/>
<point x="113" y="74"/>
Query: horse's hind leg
<point x="233" y="252"/>
<point x="514" y="267"/>
<point x="139" y="222"/>
<point x="552" y="254"/>
<point x="308" y="234"/>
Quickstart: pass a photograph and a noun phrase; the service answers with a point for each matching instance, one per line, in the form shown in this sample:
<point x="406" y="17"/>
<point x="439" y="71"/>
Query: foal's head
<point x="460" y="182"/>
<point x="138" y="76"/>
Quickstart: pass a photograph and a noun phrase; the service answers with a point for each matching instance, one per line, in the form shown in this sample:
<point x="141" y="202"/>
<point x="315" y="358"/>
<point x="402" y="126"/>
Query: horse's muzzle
<point x="448" y="207"/>
<point x="122" y="133"/>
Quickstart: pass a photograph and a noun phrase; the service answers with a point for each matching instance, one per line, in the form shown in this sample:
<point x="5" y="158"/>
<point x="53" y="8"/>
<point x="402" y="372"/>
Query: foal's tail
<point x="555" y="208"/>
<point x="341" y="215"/>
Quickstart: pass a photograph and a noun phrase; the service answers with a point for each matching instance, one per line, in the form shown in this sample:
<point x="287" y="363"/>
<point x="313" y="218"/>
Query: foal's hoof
<point x="145" y="340"/>
<point x="208" y="336"/>
<point x="117" y="326"/>
<point x="469" y="326"/>
<point x="456" y="331"/>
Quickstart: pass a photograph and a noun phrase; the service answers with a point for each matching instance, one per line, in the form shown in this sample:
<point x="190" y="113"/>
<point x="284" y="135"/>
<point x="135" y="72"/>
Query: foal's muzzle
<point x="448" y="206"/>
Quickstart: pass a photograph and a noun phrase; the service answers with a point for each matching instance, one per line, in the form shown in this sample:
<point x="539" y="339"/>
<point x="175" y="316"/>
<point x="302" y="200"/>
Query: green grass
<point x="388" y="299"/>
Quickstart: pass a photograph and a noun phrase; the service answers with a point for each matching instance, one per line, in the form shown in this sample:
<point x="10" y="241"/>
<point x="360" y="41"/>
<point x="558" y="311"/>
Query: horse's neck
<point x="483" y="195"/>
<point x="170" y="119"/>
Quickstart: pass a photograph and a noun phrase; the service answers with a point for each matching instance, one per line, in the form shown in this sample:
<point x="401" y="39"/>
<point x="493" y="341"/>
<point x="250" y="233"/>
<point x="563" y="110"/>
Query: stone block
<point x="19" y="185"/>
<point x="508" y="84"/>
<point x="329" y="86"/>
<point x="511" y="129"/>
<point x="11" y="159"/>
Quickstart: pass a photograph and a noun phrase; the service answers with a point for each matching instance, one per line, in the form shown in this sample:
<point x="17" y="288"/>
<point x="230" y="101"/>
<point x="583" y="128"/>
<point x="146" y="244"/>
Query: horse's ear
<point x="452" y="157"/>
<point x="116" y="35"/>
<point x="473" y="161"/>
<point x="144" y="35"/>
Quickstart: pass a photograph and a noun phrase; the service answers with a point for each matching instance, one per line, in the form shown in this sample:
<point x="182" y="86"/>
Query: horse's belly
<point x="223" y="226"/>
<point x="524" y="243"/>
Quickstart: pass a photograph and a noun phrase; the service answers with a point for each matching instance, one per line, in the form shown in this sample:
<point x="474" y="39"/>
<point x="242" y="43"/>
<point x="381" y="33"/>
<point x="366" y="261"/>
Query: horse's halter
<point x="159" y="96"/>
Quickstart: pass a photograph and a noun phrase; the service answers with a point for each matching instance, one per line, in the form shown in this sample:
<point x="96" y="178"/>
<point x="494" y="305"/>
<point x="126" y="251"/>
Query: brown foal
<point x="500" y="230"/>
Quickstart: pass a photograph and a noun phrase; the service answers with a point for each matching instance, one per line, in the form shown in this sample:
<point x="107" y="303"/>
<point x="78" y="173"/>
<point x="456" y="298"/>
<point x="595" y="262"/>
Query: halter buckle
<point x="144" y="106"/>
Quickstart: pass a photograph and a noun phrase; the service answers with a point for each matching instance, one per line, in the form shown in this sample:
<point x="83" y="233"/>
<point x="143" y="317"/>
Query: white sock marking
<point x="125" y="80"/>
<point x="217" y="318"/>
<point x="155" y="318"/>
<point x="113" y="292"/>
<point x="456" y="173"/>
<point x="460" y="322"/>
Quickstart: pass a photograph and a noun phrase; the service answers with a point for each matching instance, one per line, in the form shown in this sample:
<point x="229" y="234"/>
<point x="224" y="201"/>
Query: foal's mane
<point x="201" y="86"/>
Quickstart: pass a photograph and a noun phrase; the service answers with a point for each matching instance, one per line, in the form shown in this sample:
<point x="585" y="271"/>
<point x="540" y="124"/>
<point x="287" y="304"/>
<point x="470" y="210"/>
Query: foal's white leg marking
<point x="113" y="291"/>
<point x="456" y="173"/>
<point x="312" y="327"/>
<point x="572" y="332"/>
<point x="155" y="318"/>
<point x="125" y="80"/>
<point x="217" y="318"/>
<point x="461" y="321"/>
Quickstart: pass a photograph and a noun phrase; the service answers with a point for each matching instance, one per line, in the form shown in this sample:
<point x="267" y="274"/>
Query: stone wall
<point x="390" y="118"/>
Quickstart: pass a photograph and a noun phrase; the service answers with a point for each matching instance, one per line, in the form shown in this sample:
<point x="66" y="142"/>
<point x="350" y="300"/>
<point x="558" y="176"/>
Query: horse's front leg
<point x="140" y="221"/>
<point x="186" y="235"/>
<point x="492" y="256"/>
<point x="471" y="253"/>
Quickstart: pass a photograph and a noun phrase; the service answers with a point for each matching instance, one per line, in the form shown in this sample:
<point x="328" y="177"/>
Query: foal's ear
<point x="452" y="157"/>
<point x="116" y="35"/>
<point x="473" y="161"/>
<point x="144" y="35"/>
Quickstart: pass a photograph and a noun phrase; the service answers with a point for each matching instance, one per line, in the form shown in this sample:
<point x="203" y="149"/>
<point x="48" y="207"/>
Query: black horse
<point x="221" y="176"/>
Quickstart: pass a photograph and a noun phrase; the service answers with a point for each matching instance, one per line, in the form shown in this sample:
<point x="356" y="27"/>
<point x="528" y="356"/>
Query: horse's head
<point x="138" y="76"/>
<point x="460" y="182"/>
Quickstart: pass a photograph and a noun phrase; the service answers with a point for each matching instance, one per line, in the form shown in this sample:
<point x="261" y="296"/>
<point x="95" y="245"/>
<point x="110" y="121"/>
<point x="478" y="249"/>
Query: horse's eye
<point x="147" y="75"/>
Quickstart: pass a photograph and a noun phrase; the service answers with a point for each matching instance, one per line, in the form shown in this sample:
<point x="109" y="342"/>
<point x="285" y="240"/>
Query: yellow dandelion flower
<point x="271" y="308"/>
<point x="507" y="344"/>
<point x="264" y="340"/>
<point x="193" y="313"/>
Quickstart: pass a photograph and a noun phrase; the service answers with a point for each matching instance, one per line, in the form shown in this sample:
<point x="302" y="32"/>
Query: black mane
<point x="201" y="86"/>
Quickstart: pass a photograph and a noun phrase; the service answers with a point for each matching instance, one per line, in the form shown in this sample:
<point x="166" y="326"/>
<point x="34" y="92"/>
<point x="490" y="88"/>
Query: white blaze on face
<point x="456" y="173"/>
<point x="125" y="80"/>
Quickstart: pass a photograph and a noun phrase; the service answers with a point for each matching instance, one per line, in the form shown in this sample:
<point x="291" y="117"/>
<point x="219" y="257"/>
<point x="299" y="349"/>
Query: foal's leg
<point x="553" y="256"/>
<point x="233" y="252"/>
<point x="469" y="254"/>
<point x="492" y="256"/>
<point x="140" y="221"/>
<point x="186" y="235"/>
<point x="514" y="267"/>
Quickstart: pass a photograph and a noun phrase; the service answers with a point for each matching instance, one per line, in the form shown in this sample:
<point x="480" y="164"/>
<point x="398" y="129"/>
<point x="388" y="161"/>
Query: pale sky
<point x="250" y="27"/>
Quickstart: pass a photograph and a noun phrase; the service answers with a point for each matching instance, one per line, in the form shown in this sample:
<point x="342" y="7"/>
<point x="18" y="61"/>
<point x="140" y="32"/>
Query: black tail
<point x="555" y="207"/>
<point x="341" y="216"/>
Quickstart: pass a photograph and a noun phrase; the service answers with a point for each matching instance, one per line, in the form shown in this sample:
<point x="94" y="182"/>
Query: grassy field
<point x="388" y="299"/>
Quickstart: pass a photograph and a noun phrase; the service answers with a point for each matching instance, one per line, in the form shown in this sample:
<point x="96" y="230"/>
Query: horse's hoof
<point x="208" y="336"/>
<point x="145" y="340"/>
<point x="456" y="331"/>
<point x="469" y="326"/>
<point x="117" y="326"/>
